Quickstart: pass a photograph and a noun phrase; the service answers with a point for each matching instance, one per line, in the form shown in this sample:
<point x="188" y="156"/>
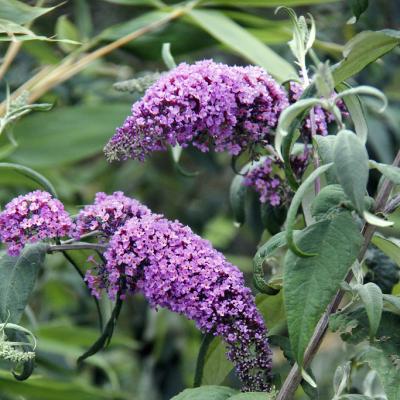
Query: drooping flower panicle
<point x="107" y="214"/>
<point x="176" y="269"/>
<point x="208" y="105"/>
<point x="31" y="218"/>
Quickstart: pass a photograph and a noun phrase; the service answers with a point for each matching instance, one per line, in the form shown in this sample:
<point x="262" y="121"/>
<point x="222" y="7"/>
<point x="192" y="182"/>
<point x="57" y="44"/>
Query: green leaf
<point x="389" y="246"/>
<point x="154" y="3"/>
<point x="237" y="197"/>
<point x="107" y="334"/>
<point x="241" y="41"/>
<point x="356" y="110"/>
<point x="366" y="91"/>
<point x="371" y="296"/>
<point x="325" y="146"/>
<point x="216" y="366"/>
<point x="289" y="115"/>
<point x="330" y="198"/>
<point x="206" y="392"/>
<point x="39" y="388"/>
<point x="393" y="302"/>
<point x="389" y="375"/>
<point x="32" y="175"/>
<point x="17" y="280"/>
<point x="372" y="219"/>
<point x="9" y="30"/>
<point x="388" y="171"/>
<point x="359" y="7"/>
<point x="167" y="56"/>
<point x="362" y="50"/>
<point x="289" y="140"/>
<point x="20" y="12"/>
<point x="267" y="250"/>
<point x="65" y="29"/>
<point x="116" y="31"/>
<point x="267" y="3"/>
<point x="294" y="207"/>
<point x="351" y="166"/>
<point x="309" y="284"/>
<point x="67" y="134"/>
<point x="78" y="336"/>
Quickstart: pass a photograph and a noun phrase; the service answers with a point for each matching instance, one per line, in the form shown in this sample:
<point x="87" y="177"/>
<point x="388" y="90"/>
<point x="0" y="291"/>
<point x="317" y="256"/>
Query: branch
<point x="76" y="246"/>
<point x="294" y="377"/>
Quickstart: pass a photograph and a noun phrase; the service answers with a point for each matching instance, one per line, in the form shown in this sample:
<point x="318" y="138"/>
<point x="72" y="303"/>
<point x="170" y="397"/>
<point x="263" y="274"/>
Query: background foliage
<point x="152" y="355"/>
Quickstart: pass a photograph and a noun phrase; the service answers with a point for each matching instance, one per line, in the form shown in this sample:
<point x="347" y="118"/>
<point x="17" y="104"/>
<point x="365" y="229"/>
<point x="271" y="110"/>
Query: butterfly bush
<point x="271" y="187"/>
<point x="31" y="218"/>
<point x="208" y="105"/>
<point x="322" y="118"/>
<point x="176" y="269"/>
<point x="107" y="214"/>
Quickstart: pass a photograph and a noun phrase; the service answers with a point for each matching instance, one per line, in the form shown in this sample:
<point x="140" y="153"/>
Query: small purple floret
<point x="208" y="105"/>
<point x="31" y="218"/>
<point x="107" y="214"/>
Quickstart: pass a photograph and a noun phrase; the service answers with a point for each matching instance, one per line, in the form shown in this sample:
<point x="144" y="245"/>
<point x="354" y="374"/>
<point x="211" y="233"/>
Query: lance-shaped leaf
<point x="309" y="284"/>
<point x="20" y="12"/>
<point x="31" y="174"/>
<point x="365" y="91"/>
<point x="351" y="164"/>
<point x="330" y="198"/>
<point x="359" y="7"/>
<point x="289" y="140"/>
<point x="294" y="207"/>
<point x="266" y="250"/>
<point x="372" y="297"/>
<point x="17" y="280"/>
<point x="363" y="49"/>
<point x="388" y="171"/>
<point x="390" y="246"/>
<point x="288" y="116"/>
<point x="388" y="374"/>
<point x="356" y="111"/>
<point x="325" y="146"/>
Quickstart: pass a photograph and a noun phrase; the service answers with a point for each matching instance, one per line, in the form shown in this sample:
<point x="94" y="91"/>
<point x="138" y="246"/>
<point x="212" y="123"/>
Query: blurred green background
<point x="153" y="354"/>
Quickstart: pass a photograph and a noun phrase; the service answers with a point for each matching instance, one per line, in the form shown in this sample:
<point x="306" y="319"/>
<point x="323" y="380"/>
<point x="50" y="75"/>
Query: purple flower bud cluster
<point x="107" y="214"/>
<point x="322" y="117"/>
<point x="205" y="104"/>
<point x="178" y="270"/>
<point x="264" y="179"/>
<point x="31" y="218"/>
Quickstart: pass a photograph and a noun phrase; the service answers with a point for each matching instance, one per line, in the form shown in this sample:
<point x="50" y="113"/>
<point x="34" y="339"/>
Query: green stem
<point x="201" y="358"/>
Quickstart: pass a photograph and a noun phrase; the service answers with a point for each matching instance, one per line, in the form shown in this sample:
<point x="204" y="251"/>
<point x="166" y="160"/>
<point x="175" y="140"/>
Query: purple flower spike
<point x="31" y="218"/>
<point x="176" y="269"/>
<point x="107" y="214"/>
<point x="206" y="104"/>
